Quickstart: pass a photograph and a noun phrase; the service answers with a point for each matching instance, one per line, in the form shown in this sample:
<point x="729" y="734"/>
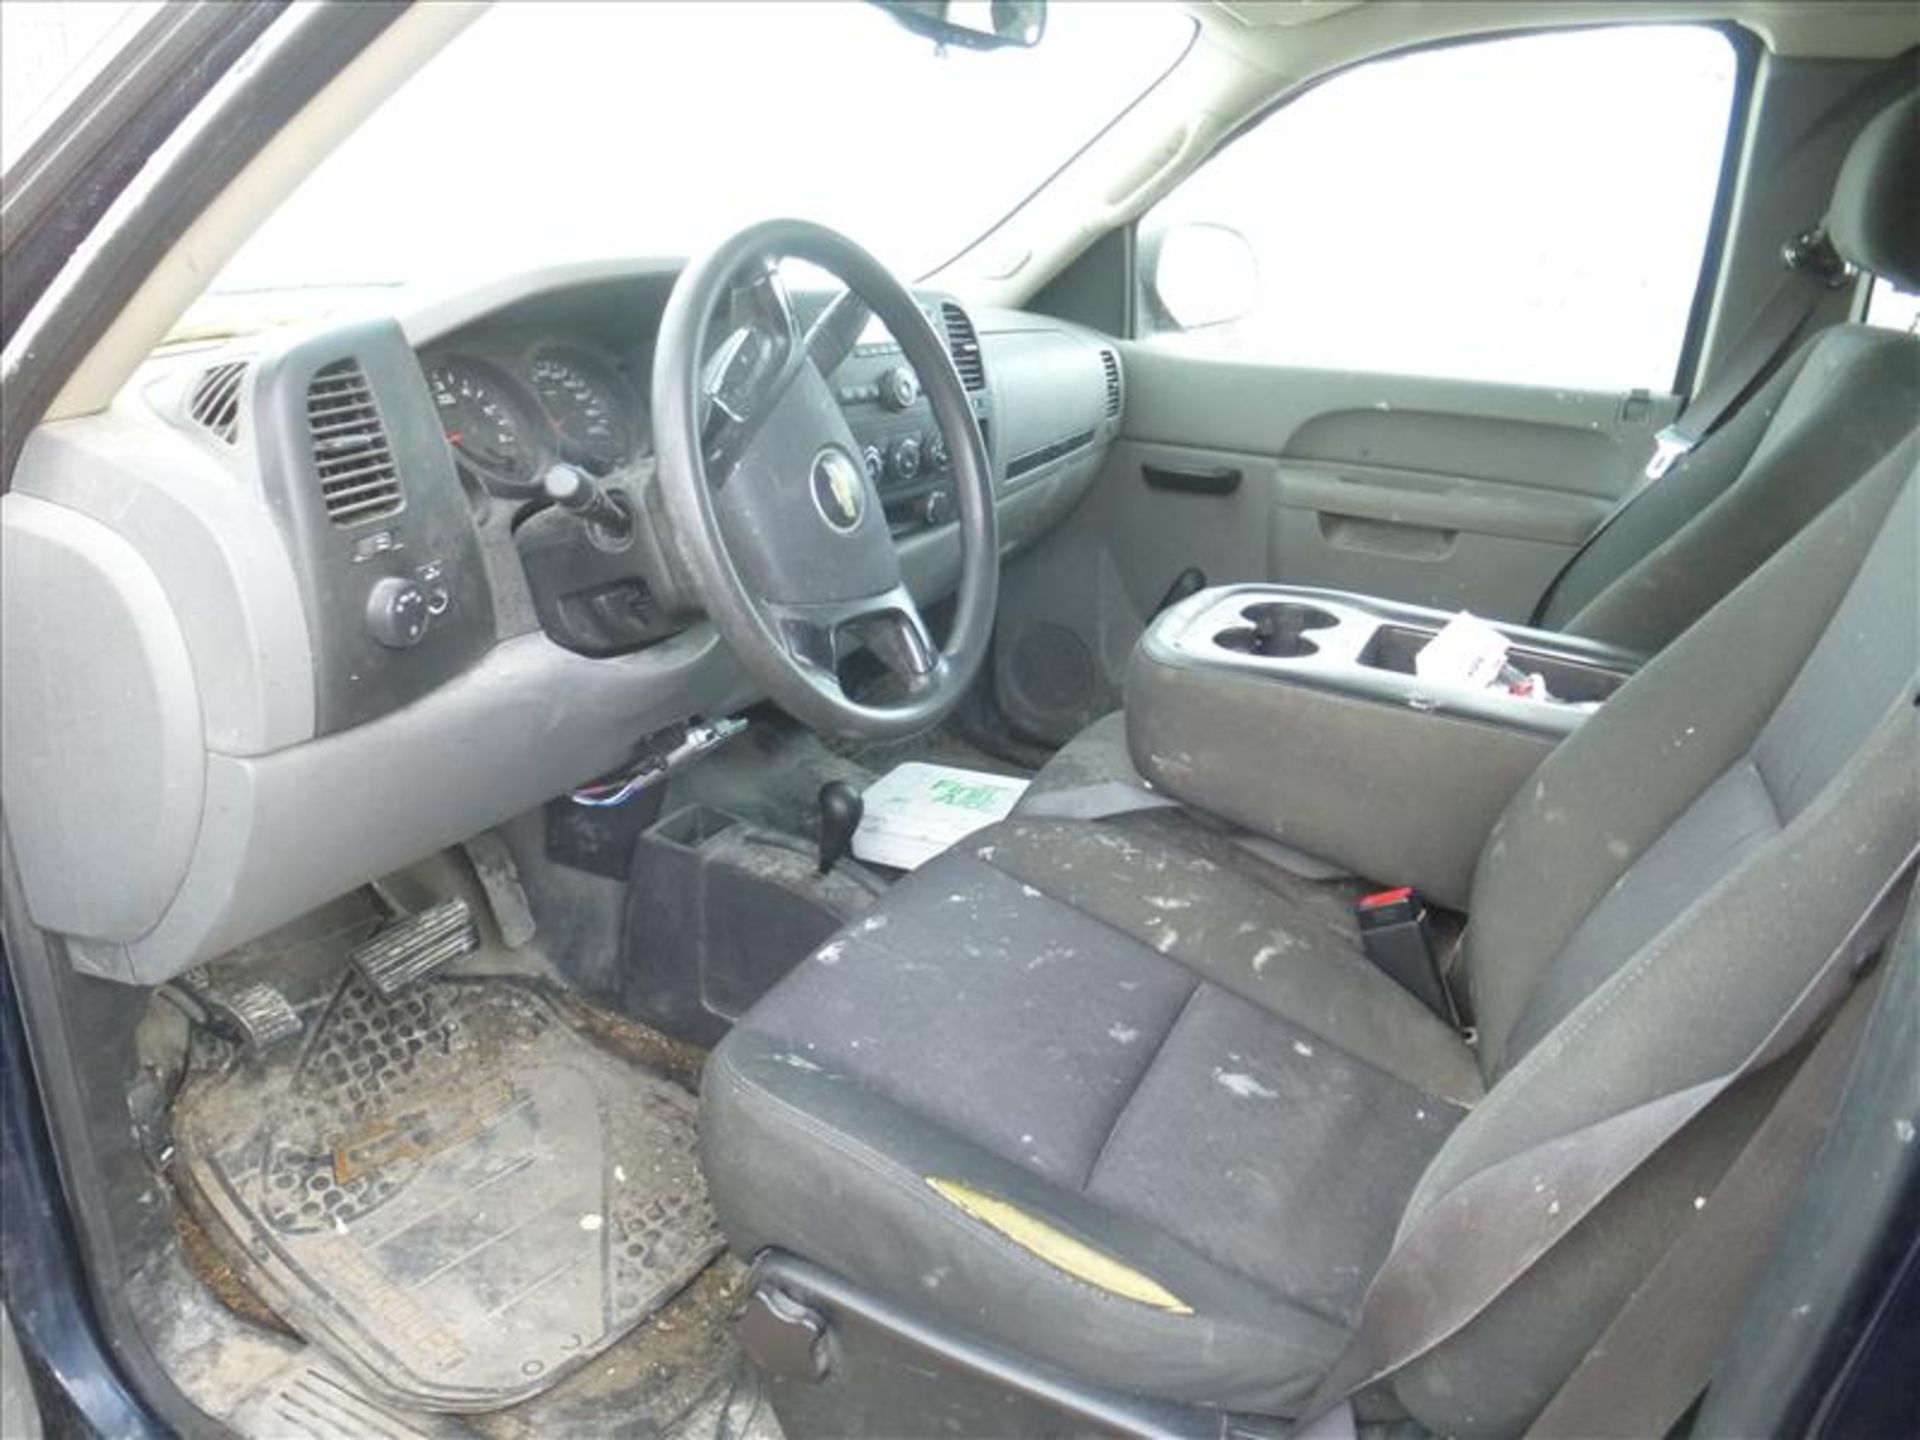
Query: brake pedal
<point x="414" y="946"/>
<point x="257" y="1017"/>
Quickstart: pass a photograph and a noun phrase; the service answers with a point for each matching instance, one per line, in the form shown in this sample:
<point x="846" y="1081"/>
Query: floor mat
<point x="453" y="1192"/>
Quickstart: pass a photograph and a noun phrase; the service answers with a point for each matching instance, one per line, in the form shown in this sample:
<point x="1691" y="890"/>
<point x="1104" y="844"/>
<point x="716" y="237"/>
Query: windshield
<point x="556" y="132"/>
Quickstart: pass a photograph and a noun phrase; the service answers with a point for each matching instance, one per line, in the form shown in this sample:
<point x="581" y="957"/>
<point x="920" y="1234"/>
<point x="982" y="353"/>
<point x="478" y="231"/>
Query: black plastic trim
<point x="61" y="186"/>
<point x="44" y="1286"/>
<point x="1106" y="1411"/>
<point x="1192" y="480"/>
<point x="1713" y="254"/>
<point x="71" y="1064"/>
<point x="430" y="540"/>
<point x="1059" y="450"/>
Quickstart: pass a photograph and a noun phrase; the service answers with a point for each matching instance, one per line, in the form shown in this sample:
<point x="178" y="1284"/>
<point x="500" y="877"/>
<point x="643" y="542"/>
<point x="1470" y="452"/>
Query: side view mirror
<point x="1200" y="274"/>
<point x="973" y="24"/>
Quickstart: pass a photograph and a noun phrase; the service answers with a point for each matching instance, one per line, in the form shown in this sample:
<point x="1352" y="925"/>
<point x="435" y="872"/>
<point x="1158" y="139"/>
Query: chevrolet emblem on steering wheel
<point x="838" y="492"/>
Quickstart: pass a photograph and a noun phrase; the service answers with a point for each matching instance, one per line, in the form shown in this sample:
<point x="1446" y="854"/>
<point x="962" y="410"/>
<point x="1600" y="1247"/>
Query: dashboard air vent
<point x="214" y="402"/>
<point x="1110" y="362"/>
<point x="358" y="481"/>
<point x="964" y="346"/>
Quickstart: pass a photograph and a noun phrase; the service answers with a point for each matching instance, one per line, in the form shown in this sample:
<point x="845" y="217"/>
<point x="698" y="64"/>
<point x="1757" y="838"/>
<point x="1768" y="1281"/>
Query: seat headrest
<point x="1874" y="221"/>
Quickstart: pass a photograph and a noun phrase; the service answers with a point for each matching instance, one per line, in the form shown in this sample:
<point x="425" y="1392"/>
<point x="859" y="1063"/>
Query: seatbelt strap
<point x="1099" y="800"/>
<point x="1475" y="1241"/>
<point x="1659" y="1352"/>
<point x="1813" y="271"/>
<point x="1111" y="799"/>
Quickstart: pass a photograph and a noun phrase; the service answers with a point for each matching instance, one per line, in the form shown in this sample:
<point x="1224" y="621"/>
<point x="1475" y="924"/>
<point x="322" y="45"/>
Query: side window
<point x="1892" y="309"/>
<point x="1531" y="210"/>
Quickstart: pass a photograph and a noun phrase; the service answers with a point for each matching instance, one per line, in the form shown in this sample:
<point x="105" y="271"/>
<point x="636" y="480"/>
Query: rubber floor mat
<point x="452" y="1191"/>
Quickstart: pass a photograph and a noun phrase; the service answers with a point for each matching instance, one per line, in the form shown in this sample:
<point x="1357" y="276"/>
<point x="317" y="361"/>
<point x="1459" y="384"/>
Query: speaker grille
<point x="1053" y="672"/>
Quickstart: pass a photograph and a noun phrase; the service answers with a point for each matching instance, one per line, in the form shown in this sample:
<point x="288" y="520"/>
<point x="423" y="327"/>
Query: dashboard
<point x="303" y="612"/>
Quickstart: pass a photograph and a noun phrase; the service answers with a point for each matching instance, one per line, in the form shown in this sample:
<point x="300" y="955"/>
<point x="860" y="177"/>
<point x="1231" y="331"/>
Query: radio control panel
<point x="907" y="457"/>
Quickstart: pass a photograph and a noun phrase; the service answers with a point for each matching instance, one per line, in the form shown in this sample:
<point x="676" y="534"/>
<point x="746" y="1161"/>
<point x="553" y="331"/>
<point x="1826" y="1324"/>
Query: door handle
<point x="1192" y="480"/>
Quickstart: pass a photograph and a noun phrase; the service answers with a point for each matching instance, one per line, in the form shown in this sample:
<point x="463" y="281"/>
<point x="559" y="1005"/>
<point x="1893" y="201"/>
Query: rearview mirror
<point x="1201" y="274"/>
<point x="973" y="24"/>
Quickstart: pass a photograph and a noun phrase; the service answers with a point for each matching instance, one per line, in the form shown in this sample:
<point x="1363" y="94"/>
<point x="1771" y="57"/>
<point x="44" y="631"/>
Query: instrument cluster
<point x="511" y="406"/>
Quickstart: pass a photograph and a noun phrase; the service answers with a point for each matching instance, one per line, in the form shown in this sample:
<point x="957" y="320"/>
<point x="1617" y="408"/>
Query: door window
<point x="1531" y="209"/>
<point x="1892" y="309"/>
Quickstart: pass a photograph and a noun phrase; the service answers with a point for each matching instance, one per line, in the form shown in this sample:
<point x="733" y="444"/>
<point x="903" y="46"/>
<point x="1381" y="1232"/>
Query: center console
<point x="1300" y="714"/>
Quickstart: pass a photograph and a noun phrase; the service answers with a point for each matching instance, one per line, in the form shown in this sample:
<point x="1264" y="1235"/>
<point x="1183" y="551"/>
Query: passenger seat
<point x="1843" y="400"/>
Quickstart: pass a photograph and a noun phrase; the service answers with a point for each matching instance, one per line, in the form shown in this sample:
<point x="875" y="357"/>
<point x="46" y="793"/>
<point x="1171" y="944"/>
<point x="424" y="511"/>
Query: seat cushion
<point x="1176" y="1069"/>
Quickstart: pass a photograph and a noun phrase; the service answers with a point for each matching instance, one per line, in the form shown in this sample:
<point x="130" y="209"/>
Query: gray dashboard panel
<point x="103" y="808"/>
<point x="197" y="518"/>
<point x="164" y="784"/>
<point x="285" y="832"/>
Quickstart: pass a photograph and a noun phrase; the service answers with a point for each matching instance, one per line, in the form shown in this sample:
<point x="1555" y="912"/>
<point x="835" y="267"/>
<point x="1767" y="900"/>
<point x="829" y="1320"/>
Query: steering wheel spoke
<point x="760" y="351"/>
<point x="833" y="335"/>
<point x="818" y="635"/>
<point x="895" y="632"/>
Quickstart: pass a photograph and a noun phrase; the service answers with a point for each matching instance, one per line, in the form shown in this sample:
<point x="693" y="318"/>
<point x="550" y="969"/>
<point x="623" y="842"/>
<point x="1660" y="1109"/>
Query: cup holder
<point x="1250" y="640"/>
<point x="1278" y="629"/>
<point x="1288" y="617"/>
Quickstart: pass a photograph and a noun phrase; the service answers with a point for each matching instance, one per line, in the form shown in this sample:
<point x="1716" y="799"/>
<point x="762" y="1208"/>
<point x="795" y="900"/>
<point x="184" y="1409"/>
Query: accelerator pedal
<point x="414" y="946"/>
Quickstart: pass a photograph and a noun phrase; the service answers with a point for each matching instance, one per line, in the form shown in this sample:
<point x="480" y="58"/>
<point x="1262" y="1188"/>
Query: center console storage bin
<point x="1298" y="714"/>
<point x="718" y="910"/>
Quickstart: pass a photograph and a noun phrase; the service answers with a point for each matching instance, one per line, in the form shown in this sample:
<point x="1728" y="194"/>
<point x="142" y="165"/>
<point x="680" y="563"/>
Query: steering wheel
<point x="770" y="513"/>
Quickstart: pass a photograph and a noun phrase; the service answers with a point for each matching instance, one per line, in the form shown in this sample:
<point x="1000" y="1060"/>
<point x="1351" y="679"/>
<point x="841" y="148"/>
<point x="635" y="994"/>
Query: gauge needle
<point x="453" y="436"/>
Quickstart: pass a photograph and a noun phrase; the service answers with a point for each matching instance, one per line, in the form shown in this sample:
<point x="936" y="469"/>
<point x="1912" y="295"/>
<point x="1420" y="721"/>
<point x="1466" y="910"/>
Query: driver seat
<point x="1122" y="1101"/>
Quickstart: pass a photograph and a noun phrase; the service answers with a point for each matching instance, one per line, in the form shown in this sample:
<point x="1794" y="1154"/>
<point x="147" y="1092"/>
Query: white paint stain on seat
<point x="1234" y="1082"/>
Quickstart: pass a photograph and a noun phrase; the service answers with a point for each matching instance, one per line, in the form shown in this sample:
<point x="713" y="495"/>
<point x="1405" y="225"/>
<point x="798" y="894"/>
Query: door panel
<point x="1411" y="326"/>
<point x="1458" y="494"/>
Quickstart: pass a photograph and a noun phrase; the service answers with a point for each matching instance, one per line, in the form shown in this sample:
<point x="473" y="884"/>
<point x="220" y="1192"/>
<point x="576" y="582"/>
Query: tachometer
<point x="584" y="403"/>
<point x="488" y="424"/>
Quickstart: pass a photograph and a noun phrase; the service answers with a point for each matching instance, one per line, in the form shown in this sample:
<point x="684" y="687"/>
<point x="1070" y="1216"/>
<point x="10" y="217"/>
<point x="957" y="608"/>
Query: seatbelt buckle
<point x="1395" y="935"/>
<point x="1669" y="445"/>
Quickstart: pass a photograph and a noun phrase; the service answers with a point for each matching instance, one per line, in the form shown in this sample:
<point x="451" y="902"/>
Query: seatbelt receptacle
<point x="1393" y="932"/>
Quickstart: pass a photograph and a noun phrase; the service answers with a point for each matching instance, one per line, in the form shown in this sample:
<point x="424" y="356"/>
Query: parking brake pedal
<point x="413" y="946"/>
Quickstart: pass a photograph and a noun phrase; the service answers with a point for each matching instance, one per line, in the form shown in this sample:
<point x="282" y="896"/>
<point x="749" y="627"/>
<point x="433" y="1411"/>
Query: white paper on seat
<point x="916" y="810"/>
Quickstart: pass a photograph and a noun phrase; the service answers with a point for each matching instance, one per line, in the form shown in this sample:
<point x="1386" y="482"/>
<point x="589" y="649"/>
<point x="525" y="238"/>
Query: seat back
<point x="1839" y="404"/>
<point x="1826" y="418"/>
<point x="1658" y="893"/>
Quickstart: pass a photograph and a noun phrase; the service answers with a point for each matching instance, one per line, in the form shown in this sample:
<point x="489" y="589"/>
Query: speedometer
<point x="487" y="423"/>
<point x="584" y="403"/>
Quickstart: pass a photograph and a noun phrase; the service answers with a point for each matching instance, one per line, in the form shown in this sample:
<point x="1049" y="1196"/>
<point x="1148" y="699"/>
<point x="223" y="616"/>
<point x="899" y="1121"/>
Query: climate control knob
<point x="397" y="612"/>
<point x="938" y="508"/>
<point x="899" y="388"/>
<point x="935" y="450"/>
<point x="903" y="462"/>
<point x="875" y="462"/>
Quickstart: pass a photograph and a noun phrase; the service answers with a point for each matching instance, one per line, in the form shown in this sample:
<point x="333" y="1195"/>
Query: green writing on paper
<point x="963" y="796"/>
